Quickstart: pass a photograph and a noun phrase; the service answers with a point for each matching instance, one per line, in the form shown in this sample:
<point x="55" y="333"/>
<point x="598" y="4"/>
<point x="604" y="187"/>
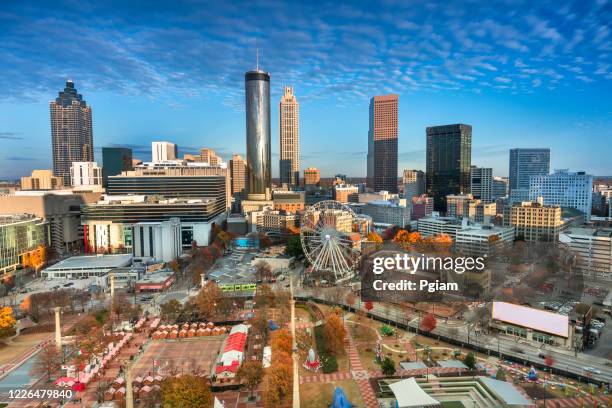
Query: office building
<point x="289" y="123"/>
<point x="312" y="176"/>
<point x="524" y="164"/>
<point x="23" y="242"/>
<point x="289" y="201"/>
<point x="422" y="206"/>
<point x="499" y="188"/>
<point x="115" y="160"/>
<point x="382" y="143"/>
<point x="85" y="174"/>
<point x="258" y="139"/>
<point x="163" y="151"/>
<point x="534" y="221"/>
<point x="378" y="196"/>
<point x="238" y="174"/>
<point x="41" y="180"/>
<point x="448" y="161"/>
<point x="483" y="239"/>
<point x="414" y="183"/>
<point x="593" y="247"/>
<point x="565" y="189"/>
<point x="432" y="226"/>
<point x="466" y="206"/>
<point x="129" y="223"/>
<point x="274" y="222"/>
<point x="71" y="131"/>
<point x="60" y="208"/>
<point x="481" y="183"/>
<point x="386" y="213"/>
<point x="174" y="181"/>
<point x="346" y="194"/>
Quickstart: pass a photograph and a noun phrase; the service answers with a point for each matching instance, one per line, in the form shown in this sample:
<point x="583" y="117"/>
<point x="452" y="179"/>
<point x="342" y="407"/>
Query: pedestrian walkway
<point x="326" y="378"/>
<point x="576" y="402"/>
<point x="359" y="374"/>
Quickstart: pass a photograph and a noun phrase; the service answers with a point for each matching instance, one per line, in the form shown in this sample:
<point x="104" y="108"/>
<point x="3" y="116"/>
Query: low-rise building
<point x="346" y="194"/>
<point x="155" y="282"/>
<point x="430" y="226"/>
<point x="386" y="212"/>
<point x="422" y="206"/>
<point x="289" y="201"/>
<point x="274" y="222"/>
<point x="85" y="174"/>
<point x="86" y="266"/>
<point x="312" y="176"/>
<point x="23" y="242"/>
<point x="534" y="325"/>
<point x="593" y="250"/>
<point x="483" y="240"/>
<point x="41" y="180"/>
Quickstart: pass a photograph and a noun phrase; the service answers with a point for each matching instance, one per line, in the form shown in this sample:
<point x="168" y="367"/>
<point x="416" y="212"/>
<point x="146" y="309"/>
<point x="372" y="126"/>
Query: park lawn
<point x="452" y="404"/>
<point x="317" y="395"/>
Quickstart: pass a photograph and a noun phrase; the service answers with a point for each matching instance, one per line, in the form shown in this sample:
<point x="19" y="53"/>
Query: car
<point x="592" y="370"/>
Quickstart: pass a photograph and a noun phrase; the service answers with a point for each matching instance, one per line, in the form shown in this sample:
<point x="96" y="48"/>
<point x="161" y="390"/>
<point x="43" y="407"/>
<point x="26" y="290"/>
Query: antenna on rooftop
<point x="257" y="58"/>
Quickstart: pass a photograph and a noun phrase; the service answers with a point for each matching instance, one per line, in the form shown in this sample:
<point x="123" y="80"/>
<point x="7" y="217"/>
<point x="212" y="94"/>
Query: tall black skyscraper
<point x="71" y="131"/>
<point x="258" y="137"/>
<point x="114" y="161"/>
<point x="449" y="157"/>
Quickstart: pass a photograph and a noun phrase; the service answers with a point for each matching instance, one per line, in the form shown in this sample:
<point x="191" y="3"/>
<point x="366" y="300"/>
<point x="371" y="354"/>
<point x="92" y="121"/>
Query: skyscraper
<point x="258" y="139"/>
<point x="481" y="181"/>
<point x="238" y="168"/>
<point x="449" y="157"/>
<point x="525" y="163"/>
<point x="289" y="121"/>
<point x="163" y="151"/>
<point x="71" y="131"/>
<point x="382" y="143"/>
<point x="115" y="160"/>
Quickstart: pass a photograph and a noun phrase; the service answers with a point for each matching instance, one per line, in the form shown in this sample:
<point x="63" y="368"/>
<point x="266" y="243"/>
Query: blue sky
<point x="523" y="74"/>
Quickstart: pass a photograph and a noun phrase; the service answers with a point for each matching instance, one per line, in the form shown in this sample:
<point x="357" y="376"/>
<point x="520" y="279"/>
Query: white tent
<point x="410" y="395"/>
<point x="218" y="404"/>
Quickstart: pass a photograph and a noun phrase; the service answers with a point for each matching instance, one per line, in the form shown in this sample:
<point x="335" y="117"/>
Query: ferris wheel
<point x="328" y="239"/>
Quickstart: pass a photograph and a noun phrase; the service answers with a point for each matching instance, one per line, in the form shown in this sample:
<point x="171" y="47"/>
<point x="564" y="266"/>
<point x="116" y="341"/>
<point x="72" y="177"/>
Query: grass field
<point x="320" y="395"/>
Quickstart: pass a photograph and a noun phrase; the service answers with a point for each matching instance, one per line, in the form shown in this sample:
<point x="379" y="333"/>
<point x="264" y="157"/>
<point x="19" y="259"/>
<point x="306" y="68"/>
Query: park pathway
<point x="359" y="374"/>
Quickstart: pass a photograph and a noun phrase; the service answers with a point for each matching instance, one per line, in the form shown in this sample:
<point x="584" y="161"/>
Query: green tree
<point x="501" y="374"/>
<point x="186" y="391"/>
<point x="388" y="366"/>
<point x="294" y="246"/>
<point x="470" y="360"/>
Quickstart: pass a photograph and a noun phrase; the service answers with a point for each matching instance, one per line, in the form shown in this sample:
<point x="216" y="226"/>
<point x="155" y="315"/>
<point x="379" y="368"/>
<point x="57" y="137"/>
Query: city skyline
<point x="543" y="86"/>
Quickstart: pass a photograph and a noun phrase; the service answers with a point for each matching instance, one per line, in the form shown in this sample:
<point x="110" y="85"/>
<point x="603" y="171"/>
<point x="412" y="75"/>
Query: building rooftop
<point x="541" y="320"/>
<point x="15" y="218"/>
<point x="93" y="262"/>
<point x="594" y="232"/>
<point x="156" y="277"/>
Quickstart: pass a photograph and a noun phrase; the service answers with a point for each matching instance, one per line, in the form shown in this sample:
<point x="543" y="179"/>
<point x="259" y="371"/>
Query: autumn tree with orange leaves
<point x="278" y="378"/>
<point x="334" y="333"/>
<point x="7" y="321"/>
<point x="406" y="239"/>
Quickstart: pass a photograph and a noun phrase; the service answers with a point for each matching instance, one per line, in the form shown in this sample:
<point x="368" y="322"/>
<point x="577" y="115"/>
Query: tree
<point x="171" y="310"/>
<point x="47" y="362"/>
<point x="388" y="366"/>
<point x="501" y="374"/>
<point x="7" y="321"/>
<point x="406" y="239"/>
<point x="294" y="246"/>
<point x="334" y="333"/>
<point x="369" y="306"/>
<point x="186" y="391"/>
<point x="264" y="270"/>
<point x="428" y="323"/>
<point x="207" y="299"/>
<point x="470" y="360"/>
<point x="251" y="373"/>
<point x="264" y="297"/>
<point x="278" y="384"/>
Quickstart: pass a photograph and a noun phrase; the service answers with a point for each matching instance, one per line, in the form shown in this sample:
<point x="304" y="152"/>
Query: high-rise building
<point x="238" y="169"/>
<point x="466" y="206"/>
<point x="115" y="160"/>
<point x="565" y="189"/>
<point x="163" y="151"/>
<point x="85" y="174"/>
<point x="534" y="221"/>
<point x="382" y="143"/>
<point x="209" y="156"/>
<point x="526" y="163"/>
<point x="449" y="157"/>
<point x="312" y="176"/>
<point x="258" y="139"/>
<point x="41" y="180"/>
<point x="414" y="183"/>
<point x="289" y="121"/>
<point x="594" y="249"/>
<point x="71" y="131"/>
<point x="481" y="181"/>
<point x="499" y="188"/>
